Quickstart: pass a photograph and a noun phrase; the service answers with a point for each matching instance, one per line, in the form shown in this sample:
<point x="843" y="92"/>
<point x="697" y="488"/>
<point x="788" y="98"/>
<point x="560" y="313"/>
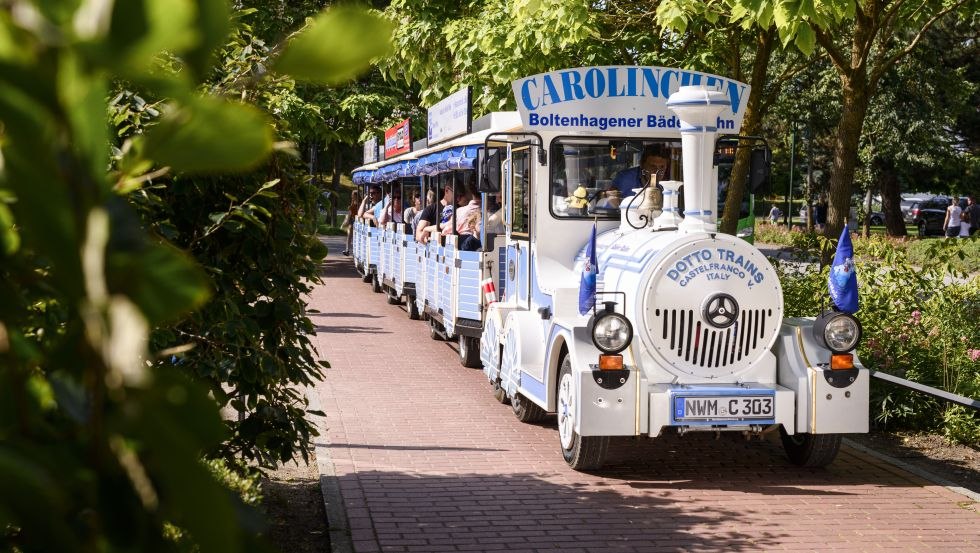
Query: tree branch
<point x="879" y="70"/>
<point x="836" y="56"/>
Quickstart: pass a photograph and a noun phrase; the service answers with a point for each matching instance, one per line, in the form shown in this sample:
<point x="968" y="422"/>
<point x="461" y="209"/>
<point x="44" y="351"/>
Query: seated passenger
<point x="495" y="221"/>
<point x="468" y="225"/>
<point x="432" y="215"/>
<point x="415" y="208"/>
<point x="391" y="212"/>
<point x="366" y="211"/>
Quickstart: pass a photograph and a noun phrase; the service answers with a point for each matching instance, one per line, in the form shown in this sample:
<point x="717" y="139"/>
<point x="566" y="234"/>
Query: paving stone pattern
<point x="426" y="460"/>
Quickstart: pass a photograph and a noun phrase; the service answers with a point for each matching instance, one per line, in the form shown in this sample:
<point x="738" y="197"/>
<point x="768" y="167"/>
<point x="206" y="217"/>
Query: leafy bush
<point x="107" y="331"/>
<point x="919" y="324"/>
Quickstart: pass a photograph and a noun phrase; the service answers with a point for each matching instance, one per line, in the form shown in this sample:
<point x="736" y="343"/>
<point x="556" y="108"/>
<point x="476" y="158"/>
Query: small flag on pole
<point x="586" y="291"/>
<point x="842" y="282"/>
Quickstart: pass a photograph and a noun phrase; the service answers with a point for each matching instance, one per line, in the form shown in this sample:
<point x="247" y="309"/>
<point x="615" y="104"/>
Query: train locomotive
<point x="623" y="315"/>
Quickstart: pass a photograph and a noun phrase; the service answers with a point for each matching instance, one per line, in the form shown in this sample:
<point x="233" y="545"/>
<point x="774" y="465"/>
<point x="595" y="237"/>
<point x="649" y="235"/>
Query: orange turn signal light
<point x="610" y="362"/>
<point x="842" y="361"/>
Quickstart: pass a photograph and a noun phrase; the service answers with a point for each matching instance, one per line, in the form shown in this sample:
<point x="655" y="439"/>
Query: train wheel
<point x="434" y="331"/>
<point x="376" y="285"/>
<point x="580" y="452"/>
<point x="413" y="308"/>
<point x="367" y="277"/>
<point x="469" y="352"/>
<point x="810" y="450"/>
<point x="499" y="393"/>
<point x="393" y="298"/>
<point x="525" y="410"/>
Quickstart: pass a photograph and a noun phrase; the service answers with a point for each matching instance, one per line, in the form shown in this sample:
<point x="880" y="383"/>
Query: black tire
<point x="810" y="450"/>
<point x="525" y="410"/>
<point x="580" y="452"/>
<point x="876" y="221"/>
<point x="469" y="352"/>
<point x="413" y="308"/>
<point x="376" y="285"/>
<point x="922" y="230"/>
<point x="500" y="394"/>
<point x="434" y="332"/>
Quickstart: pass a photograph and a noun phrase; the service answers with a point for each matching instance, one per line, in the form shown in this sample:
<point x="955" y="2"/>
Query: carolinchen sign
<point x="628" y="99"/>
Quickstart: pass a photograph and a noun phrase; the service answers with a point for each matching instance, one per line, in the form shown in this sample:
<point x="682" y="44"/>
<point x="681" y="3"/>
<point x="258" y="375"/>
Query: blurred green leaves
<point x="107" y="244"/>
<point x="210" y="135"/>
<point x="336" y="46"/>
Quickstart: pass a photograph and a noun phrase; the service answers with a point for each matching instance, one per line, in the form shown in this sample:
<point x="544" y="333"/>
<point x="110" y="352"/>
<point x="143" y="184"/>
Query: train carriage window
<point x="520" y="197"/>
<point x="591" y="177"/>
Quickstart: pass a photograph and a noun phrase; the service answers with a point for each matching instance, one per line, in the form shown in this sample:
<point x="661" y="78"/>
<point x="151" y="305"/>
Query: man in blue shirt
<point x="652" y="160"/>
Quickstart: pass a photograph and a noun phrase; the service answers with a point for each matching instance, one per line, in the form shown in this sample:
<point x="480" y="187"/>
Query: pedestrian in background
<point x="951" y="224"/>
<point x="352" y="207"/>
<point x="974" y="210"/>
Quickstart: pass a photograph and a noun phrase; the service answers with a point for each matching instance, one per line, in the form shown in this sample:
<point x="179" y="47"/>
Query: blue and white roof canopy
<point x="453" y="155"/>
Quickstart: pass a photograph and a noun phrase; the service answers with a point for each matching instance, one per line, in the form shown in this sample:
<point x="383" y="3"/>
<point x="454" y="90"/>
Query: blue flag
<point x="842" y="282"/>
<point x="586" y="290"/>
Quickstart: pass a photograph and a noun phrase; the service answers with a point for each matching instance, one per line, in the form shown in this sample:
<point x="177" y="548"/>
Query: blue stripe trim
<point x="706" y="212"/>
<point x="698" y="129"/>
<point x="700" y="102"/>
<point x="532" y="388"/>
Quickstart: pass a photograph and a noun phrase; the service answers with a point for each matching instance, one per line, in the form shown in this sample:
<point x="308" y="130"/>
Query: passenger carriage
<point x="683" y="329"/>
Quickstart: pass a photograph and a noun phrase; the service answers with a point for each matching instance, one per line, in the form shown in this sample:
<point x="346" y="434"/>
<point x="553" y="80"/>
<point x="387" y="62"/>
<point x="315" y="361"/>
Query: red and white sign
<point x="398" y="139"/>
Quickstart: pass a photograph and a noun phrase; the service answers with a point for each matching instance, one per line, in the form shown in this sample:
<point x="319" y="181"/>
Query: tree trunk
<point x="855" y="107"/>
<point x="754" y="111"/>
<point x="335" y="184"/>
<point x="891" y="200"/>
<point x="866" y="222"/>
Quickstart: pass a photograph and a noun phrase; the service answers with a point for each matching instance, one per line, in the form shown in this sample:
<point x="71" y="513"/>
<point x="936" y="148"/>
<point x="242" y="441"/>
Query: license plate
<point x="724" y="407"/>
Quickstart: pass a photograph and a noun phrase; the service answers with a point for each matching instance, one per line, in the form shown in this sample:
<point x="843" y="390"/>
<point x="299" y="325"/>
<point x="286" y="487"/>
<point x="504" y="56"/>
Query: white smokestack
<point x="698" y="108"/>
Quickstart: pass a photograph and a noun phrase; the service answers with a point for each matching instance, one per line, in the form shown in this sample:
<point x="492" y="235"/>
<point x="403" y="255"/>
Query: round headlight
<point x="839" y="332"/>
<point x="612" y="332"/>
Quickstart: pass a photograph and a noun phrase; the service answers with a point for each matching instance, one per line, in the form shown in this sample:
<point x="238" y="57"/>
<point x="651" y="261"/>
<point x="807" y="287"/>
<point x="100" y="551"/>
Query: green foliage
<point x="919" y="323"/>
<point x="333" y="48"/>
<point x="111" y="362"/>
<point x="489" y="44"/>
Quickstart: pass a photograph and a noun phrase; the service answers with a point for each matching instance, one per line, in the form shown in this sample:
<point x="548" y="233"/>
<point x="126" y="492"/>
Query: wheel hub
<point x="566" y="418"/>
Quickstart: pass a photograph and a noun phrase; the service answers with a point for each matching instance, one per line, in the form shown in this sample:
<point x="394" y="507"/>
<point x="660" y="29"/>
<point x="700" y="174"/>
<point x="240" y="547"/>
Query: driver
<point x="653" y="160"/>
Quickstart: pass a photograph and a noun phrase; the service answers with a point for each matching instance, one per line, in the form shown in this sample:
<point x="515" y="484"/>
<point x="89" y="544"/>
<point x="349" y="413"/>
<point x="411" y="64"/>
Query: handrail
<point x="928" y="390"/>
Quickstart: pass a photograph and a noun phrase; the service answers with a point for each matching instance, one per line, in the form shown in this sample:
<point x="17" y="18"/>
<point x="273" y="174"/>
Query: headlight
<point x="612" y="332"/>
<point x="838" y="332"/>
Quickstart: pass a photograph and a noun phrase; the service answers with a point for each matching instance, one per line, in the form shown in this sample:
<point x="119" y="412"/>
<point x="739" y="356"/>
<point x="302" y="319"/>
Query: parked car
<point x="909" y="200"/>
<point x="928" y="216"/>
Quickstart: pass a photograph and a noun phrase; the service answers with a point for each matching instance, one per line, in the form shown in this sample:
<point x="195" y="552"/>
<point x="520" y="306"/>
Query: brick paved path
<point x="427" y="461"/>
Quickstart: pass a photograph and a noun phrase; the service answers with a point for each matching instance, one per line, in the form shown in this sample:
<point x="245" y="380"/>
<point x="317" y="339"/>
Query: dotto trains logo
<point x="715" y="265"/>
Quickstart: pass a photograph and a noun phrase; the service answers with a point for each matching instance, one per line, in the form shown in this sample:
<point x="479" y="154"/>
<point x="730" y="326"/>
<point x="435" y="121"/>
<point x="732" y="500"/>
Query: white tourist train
<point x="609" y="297"/>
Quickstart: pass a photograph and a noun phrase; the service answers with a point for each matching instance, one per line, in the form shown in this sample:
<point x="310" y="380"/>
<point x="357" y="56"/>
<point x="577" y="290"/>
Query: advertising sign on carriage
<point x="398" y="139"/>
<point x="450" y="117"/>
<point x="620" y="99"/>
<point x="371" y="150"/>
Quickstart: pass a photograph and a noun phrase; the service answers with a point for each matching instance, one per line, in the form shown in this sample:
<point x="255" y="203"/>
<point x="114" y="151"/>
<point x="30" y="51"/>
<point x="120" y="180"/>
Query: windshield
<point x="591" y="177"/>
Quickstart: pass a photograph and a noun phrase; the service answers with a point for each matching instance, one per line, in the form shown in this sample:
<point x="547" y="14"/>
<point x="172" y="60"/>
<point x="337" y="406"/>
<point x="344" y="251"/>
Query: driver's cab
<point x="592" y="177"/>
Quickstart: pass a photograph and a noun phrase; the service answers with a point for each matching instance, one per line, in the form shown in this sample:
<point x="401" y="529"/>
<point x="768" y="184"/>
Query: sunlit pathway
<point x="426" y="460"/>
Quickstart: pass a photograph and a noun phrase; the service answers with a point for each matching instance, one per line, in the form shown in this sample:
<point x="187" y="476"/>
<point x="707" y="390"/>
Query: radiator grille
<point x="683" y="337"/>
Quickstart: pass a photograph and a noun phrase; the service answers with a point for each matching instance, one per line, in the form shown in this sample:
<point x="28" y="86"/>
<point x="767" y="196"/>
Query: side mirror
<point x="759" y="171"/>
<point x="488" y="176"/>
